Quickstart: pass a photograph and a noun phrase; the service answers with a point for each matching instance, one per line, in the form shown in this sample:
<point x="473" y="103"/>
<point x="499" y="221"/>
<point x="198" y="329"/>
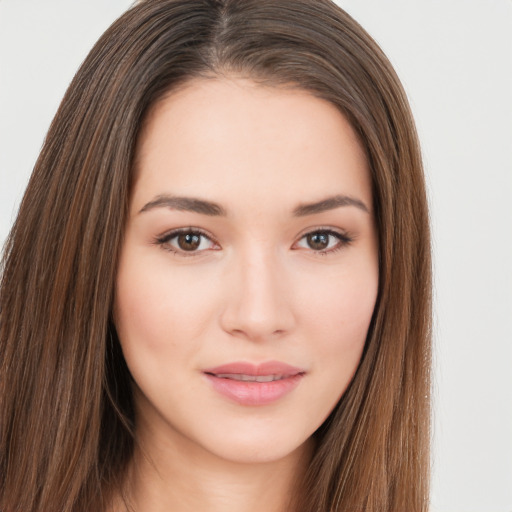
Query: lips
<point x="251" y="378"/>
<point x="250" y="384"/>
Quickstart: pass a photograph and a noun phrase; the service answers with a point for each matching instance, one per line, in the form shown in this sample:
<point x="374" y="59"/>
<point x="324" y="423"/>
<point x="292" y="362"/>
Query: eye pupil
<point x="318" y="241"/>
<point x="189" y="241"/>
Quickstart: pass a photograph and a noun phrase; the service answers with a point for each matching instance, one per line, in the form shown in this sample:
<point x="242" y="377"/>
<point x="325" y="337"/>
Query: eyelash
<point x="344" y="240"/>
<point x="164" y="240"/>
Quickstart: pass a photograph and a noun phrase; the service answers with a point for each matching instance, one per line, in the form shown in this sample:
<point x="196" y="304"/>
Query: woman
<point x="216" y="294"/>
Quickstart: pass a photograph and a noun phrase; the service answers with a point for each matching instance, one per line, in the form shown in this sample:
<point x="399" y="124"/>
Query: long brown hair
<point x="66" y="415"/>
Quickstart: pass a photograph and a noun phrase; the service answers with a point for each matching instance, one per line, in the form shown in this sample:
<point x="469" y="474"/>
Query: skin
<point x="255" y="289"/>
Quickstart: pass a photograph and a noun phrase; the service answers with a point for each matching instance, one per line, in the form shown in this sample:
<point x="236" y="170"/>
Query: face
<point x="249" y="269"/>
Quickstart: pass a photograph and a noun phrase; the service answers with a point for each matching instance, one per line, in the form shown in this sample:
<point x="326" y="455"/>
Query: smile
<point x="253" y="385"/>
<point x="252" y="378"/>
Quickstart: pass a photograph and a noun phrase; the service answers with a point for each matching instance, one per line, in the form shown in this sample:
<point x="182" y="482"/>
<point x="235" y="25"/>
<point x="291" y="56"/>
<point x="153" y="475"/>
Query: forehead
<point x="234" y="138"/>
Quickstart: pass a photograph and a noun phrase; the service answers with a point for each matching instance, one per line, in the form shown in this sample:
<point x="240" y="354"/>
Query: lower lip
<point x="254" y="393"/>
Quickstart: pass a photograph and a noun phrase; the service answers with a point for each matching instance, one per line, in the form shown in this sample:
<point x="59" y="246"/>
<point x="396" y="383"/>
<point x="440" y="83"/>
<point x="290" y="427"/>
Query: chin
<point x="258" y="446"/>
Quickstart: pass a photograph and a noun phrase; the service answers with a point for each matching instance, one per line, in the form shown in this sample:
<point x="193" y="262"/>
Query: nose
<point x="258" y="303"/>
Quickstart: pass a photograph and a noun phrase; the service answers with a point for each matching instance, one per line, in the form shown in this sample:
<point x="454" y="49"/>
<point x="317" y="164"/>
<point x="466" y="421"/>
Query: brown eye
<point x="318" y="241"/>
<point x="189" y="241"/>
<point x="186" y="242"/>
<point x="324" y="241"/>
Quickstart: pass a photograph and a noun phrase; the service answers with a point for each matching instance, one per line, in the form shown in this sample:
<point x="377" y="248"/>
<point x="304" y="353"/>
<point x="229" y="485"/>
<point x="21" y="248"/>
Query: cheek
<point x="139" y="308"/>
<point x="336" y="317"/>
<point x="161" y="313"/>
<point x="339" y="316"/>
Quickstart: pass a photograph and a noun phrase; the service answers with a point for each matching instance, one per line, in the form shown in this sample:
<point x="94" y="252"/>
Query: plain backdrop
<point x="455" y="60"/>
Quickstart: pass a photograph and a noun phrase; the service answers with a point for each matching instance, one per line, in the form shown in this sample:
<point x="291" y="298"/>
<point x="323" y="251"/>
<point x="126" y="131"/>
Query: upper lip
<point x="246" y="368"/>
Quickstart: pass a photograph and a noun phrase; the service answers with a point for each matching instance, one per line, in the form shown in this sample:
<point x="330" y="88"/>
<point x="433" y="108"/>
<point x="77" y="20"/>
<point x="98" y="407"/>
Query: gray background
<point x="455" y="60"/>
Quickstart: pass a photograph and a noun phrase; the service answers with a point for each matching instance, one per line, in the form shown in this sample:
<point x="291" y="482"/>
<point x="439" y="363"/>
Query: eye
<point x="324" y="241"/>
<point x="186" y="242"/>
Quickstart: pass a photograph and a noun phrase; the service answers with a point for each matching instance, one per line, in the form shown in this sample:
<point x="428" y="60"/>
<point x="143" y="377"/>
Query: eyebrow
<point x="330" y="203"/>
<point x="189" y="204"/>
<point x="193" y="204"/>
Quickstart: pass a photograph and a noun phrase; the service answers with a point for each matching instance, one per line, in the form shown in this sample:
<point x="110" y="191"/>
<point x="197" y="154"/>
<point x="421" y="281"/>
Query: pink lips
<point x="249" y="384"/>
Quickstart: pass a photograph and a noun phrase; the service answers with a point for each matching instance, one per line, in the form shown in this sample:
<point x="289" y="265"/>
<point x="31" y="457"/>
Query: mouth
<point x="252" y="385"/>
<point x="250" y="378"/>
